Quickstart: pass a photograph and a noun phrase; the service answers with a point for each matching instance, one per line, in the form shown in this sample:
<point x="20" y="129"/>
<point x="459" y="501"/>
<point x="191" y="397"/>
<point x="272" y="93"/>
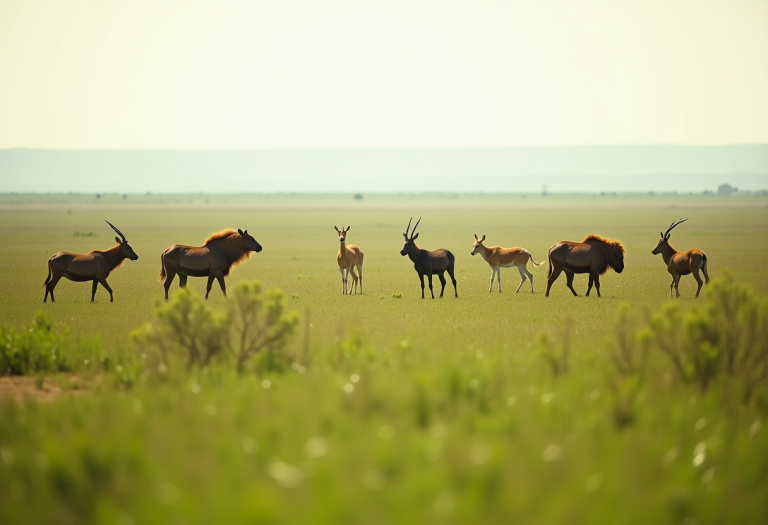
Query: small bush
<point x="42" y="349"/>
<point x="725" y="340"/>
<point x="251" y="324"/>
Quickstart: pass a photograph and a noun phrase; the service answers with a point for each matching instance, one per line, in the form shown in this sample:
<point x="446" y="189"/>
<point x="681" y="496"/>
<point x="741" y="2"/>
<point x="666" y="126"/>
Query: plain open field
<point x="455" y="418"/>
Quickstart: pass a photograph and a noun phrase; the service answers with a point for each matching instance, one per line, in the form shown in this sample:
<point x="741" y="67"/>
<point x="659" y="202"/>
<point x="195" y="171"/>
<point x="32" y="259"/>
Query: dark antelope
<point x="428" y="263"/>
<point x="594" y="255"/>
<point x="681" y="263"/>
<point x="498" y="257"/>
<point x="221" y="252"/>
<point x="93" y="266"/>
<point x="349" y="258"/>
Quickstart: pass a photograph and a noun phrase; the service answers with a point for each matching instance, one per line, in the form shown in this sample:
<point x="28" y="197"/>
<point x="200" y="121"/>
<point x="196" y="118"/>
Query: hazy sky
<point x="324" y="73"/>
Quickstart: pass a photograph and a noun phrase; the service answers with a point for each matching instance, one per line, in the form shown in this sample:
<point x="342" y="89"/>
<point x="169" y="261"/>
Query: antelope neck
<point x="667" y="252"/>
<point x="414" y="254"/>
<point x="113" y="257"/>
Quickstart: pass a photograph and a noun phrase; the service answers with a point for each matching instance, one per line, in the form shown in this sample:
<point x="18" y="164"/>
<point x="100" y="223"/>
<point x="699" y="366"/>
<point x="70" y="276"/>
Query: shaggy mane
<point x="231" y="243"/>
<point x="607" y="246"/>
<point x="610" y="242"/>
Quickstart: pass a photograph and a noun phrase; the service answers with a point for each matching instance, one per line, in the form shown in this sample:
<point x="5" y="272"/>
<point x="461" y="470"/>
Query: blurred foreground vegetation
<point x="660" y="420"/>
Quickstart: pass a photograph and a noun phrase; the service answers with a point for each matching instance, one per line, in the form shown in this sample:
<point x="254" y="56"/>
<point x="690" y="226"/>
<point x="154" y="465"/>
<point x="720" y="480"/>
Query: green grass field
<point x="452" y="415"/>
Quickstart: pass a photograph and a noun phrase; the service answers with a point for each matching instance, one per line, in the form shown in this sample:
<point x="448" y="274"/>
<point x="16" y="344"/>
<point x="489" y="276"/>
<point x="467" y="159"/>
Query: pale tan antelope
<point x="681" y="263"/>
<point x="349" y="258"/>
<point x="498" y="258"/>
<point x="93" y="266"/>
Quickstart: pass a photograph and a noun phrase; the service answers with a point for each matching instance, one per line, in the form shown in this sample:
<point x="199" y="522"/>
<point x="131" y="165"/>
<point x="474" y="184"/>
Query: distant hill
<point x="561" y="169"/>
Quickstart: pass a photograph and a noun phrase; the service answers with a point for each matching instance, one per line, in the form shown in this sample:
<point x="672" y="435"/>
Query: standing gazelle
<point x="498" y="257"/>
<point x="349" y="258"/>
<point x="681" y="263"/>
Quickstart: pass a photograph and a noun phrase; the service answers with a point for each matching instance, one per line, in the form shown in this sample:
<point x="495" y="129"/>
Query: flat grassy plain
<point x="399" y="410"/>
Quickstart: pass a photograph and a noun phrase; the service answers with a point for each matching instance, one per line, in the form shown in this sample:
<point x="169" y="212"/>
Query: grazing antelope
<point x="349" y="258"/>
<point x="93" y="266"/>
<point x="681" y="263"/>
<point x="428" y="263"/>
<point x="221" y="252"/>
<point x="498" y="257"/>
<point x="594" y="255"/>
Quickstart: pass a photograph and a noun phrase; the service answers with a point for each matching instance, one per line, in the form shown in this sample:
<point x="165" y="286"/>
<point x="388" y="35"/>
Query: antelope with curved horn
<point x="221" y="252"/>
<point x="349" y="258"/>
<point x="428" y="262"/>
<point x="681" y="263"/>
<point x="498" y="257"/>
<point x="93" y="266"/>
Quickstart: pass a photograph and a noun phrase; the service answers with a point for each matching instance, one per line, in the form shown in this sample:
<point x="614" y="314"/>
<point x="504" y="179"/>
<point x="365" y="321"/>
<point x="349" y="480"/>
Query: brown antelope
<point x="594" y="255"/>
<point x="221" y="252"/>
<point x="428" y="263"/>
<point x="93" y="266"/>
<point x="498" y="257"/>
<point x="681" y="263"/>
<point x="349" y="258"/>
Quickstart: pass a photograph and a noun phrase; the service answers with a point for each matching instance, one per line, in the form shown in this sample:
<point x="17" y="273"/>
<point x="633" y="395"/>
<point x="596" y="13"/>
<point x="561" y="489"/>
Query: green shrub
<point x="726" y="339"/>
<point x="252" y="323"/>
<point x="42" y="349"/>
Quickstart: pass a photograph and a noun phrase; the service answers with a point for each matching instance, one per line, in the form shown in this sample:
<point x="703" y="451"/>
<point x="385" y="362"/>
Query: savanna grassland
<point x="383" y="407"/>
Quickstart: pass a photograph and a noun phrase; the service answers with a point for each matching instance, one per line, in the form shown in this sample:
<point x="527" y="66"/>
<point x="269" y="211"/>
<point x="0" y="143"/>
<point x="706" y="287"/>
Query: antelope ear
<point x="118" y="240"/>
<point x="481" y="240"/>
<point x="475" y="236"/>
<point x="662" y="235"/>
<point x="239" y="231"/>
<point x="405" y="236"/>
<point x="415" y="237"/>
<point x="348" y="227"/>
<point x="335" y="228"/>
<point x="666" y="237"/>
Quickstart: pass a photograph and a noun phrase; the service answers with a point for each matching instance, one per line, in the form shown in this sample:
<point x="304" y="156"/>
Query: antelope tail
<point x="161" y="276"/>
<point x="48" y="279"/>
<point x="704" y="269"/>
<point x="549" y="266"/>
<point x="534" y="262"/>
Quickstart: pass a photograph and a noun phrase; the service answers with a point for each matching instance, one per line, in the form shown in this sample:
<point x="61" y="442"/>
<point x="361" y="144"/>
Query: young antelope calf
<point x="498" y="257"/>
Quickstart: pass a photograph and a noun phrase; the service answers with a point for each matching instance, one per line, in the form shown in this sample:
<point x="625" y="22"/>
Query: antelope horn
<point x="118" y="231"/>
<point x="414" y="228"/>
<point x="409" y="226"/>
<point x="674" y="224"/>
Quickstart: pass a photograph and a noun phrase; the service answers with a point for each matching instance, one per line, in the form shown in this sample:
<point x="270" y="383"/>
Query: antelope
<point x="498" y="257"/>
<point x="219" y="255"/>
<point x="428" y="262"/>
<point x="681" y="263"/>
<point x="594" y="255"/>
<point x="93" y="266"/>
<point x="349" y="258"/>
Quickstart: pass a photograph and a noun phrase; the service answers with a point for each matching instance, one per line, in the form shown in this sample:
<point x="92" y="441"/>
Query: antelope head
<point x="249" y="243"/>
<point x="409" y="246"/>
<point x="125" y="249"/>
<point x="664" y="241"/>
<point x="342" y="233"/>
<point x="478" y="244"/>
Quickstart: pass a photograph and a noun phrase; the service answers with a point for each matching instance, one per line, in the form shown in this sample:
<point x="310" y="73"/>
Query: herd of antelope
<point x="224" y="250"/>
